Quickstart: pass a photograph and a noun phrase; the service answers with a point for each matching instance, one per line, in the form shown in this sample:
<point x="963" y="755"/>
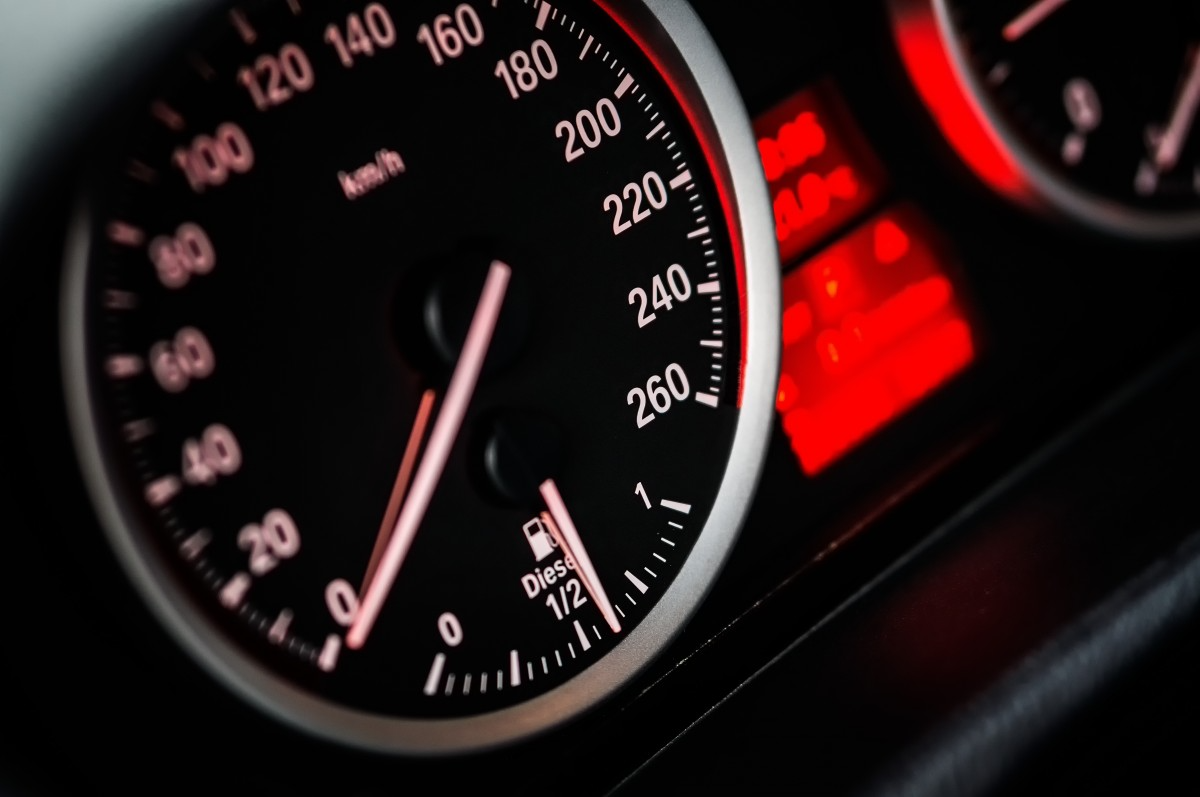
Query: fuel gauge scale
<point x="421" y="356"/>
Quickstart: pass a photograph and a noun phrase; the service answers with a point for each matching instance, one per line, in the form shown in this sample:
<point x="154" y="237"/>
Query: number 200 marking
<point x="590" y="128"/>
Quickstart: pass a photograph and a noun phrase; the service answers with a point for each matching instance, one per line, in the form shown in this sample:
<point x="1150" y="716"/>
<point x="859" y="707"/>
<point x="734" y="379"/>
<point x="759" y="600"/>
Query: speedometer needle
<point x="1182" y="116"/>
<point x="562" y="528"/>
<point x="405" y="473"/>
<point x="441" y="441"/>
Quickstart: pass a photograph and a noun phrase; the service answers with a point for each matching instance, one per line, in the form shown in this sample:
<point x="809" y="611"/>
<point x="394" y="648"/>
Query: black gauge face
<point x="1103" y="96"/>
<point x="414" y="347"/>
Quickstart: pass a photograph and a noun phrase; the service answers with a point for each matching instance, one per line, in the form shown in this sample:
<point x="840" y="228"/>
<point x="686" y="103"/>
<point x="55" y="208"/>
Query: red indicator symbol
<point x="820" y="171"/>
<point x="871" y="326"/>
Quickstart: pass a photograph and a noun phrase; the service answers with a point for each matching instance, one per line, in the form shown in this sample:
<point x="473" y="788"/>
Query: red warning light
<point x="871" y="326"/>
<point x="820" y="171"/>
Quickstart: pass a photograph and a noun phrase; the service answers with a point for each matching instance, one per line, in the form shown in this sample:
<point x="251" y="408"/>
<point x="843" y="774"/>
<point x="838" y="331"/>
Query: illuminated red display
<point x="870" y="326"/>
<point x="820" y="171"/>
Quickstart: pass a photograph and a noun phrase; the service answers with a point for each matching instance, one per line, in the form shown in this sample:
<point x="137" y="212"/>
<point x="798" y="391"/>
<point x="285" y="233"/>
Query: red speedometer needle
<point x="1030" y="18"/>
<point x="562" y="528"/>
<point x="441" y="441"/>
<point x="407" y="464"/>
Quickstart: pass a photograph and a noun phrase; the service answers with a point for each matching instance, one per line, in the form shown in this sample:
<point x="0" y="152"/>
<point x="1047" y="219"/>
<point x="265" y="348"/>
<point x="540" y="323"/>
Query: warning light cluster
<point x="820" y="171"/>
<point x="871" y="325"/>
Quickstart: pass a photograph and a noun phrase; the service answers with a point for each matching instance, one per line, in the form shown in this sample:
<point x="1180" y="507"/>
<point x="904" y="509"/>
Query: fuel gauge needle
<point x="441" y="441"/>
<point x="562" y="528"/>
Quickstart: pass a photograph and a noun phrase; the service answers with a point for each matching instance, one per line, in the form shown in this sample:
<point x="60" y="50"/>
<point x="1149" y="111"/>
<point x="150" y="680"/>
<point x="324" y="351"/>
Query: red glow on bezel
<point x="716" y="168"/>
<point x="944" y="92"/>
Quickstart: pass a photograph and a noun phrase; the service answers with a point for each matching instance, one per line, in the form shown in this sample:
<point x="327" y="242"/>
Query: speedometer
<point x="421" y="355"/>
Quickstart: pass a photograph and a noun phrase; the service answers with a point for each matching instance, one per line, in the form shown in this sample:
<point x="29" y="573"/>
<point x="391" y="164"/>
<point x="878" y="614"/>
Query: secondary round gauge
<point x="1095" y="103"/>
<point x="421" y="354"/>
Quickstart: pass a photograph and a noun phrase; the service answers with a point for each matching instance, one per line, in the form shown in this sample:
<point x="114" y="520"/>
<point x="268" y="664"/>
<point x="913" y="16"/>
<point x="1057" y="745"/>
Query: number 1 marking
<point x="641" y="490"/>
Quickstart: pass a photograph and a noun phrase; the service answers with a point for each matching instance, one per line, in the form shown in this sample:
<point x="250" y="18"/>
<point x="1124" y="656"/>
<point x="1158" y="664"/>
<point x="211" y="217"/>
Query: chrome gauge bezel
<point x="685" y="51"/>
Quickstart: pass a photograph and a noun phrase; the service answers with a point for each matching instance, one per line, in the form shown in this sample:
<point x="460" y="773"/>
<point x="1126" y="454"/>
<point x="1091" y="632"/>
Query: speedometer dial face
<point x="421" y="356"/>
<point x="1097" y="102"/>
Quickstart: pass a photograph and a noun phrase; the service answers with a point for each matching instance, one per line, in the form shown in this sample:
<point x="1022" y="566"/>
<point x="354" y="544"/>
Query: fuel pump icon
<point x="539" y="539"/>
